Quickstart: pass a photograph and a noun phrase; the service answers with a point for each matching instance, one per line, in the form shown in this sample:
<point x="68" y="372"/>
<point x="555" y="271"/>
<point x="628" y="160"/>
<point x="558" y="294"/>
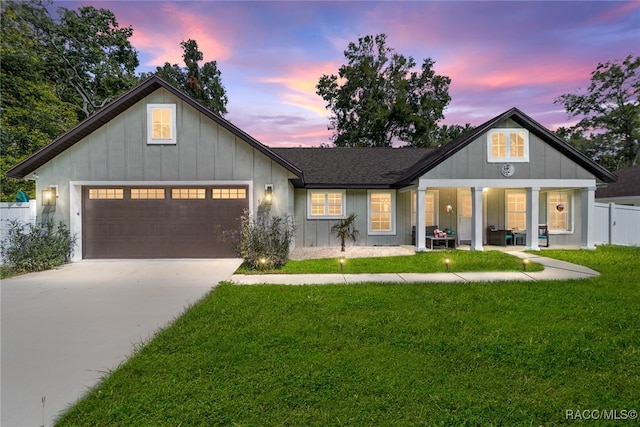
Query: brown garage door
<point x="160" y="222"/>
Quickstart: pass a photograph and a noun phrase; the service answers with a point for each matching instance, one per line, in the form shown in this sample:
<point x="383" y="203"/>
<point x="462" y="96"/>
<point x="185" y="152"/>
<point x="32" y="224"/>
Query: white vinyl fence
<point x="617" y="224"/>
<point x="24" y="212"/>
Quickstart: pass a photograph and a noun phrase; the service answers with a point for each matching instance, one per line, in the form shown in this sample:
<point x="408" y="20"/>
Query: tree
<point x="595" y="146"/>
<point x="87" y="57"/>
<point x="203" y="84"/>
<point x="382" y="98"/>
<point x="31" y="114"/>
<point x="444" y="133"/>
<point x="611" y="111"/>
<point x="345" y="230"/>
<point x="92" y="57"/>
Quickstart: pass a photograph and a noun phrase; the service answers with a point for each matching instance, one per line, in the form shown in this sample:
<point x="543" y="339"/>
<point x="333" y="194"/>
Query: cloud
<point x="159" y="30"/>
<point x="272" y="54"/>
<point x="297" y="85"/>
<point x="280" y="130"/>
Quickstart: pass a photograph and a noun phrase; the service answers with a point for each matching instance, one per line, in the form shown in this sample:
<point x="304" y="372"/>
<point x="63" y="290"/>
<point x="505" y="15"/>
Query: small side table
<point x="520" y="238"/>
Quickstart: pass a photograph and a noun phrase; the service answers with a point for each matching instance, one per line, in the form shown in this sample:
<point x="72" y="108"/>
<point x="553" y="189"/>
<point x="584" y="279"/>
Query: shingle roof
<point x="628" y="184"/>
<point x="352" y="167"/>
<point x="118" y="106"/>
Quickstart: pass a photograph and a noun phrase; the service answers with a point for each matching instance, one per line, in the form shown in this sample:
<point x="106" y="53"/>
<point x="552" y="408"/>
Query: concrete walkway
<point x="553" y="270"/>
<point x="63" y="329"/>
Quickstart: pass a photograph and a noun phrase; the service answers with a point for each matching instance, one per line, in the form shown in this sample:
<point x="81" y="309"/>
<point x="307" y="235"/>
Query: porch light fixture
<point x="449" y="209"/>
<point x="49" y="196"/>
<point x="268" y="194"/>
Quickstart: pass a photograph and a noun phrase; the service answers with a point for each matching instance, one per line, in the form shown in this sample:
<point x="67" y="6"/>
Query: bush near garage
<point x="36" y="247"/>
<point x="263" y="241"/>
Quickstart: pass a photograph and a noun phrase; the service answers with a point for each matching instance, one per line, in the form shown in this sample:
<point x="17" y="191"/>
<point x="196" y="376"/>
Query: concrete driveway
<point x="63" y="329"/>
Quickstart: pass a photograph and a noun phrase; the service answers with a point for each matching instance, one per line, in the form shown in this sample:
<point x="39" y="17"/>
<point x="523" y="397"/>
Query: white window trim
<point x="414" y="206"/>
<point x="391" y="232"/>
<point x="508" y="158"/>
<point x="571" y="202"/>
<point x="169" y="141"/>
<point x="506" y="205"/>
<point x="325" y="192"/>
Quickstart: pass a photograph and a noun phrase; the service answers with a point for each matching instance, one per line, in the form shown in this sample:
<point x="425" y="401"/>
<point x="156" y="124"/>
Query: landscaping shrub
<point x="262" y="241"/>
<point x="36" y="247"/>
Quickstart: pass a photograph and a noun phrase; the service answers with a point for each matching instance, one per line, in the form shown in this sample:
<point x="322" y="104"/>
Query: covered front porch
<point x="565" y="209"/>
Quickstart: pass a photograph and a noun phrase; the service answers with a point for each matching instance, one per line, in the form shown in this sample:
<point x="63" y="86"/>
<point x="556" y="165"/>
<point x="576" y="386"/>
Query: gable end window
<point x="508" y="145"/>
<point x="325" y="204"/>
<point x="161" y="124"/>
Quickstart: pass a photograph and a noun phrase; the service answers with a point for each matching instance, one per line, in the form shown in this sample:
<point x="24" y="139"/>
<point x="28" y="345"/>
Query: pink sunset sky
<point x="498" y="54"/>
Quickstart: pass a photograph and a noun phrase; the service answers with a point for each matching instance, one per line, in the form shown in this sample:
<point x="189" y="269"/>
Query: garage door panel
<point x="159" y="228"/>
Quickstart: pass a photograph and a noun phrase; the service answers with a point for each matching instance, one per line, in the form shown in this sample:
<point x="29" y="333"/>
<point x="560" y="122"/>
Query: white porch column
<point x="421" y="234"/>
<point x="587" y="223"/>
<point x="533" y="218"/>
<point x="476" y="219"/>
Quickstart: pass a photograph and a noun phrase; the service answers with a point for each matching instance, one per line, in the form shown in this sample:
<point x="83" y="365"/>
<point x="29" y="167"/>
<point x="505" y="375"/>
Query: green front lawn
<point x="422" y="262"/>
<point x="389" y="355"/>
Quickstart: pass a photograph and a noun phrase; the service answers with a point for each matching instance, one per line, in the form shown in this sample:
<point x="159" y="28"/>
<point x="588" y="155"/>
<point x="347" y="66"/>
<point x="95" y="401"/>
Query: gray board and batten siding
<point x="117" y="154"/>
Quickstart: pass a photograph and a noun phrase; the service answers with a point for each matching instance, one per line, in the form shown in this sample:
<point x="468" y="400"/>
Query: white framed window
<point x="381" y="212"/>
<point x="430" y="207"/>
<point x="161" y="124"/>
<point x="326" y="204"/>
<point x="516" y="209"/>
<point x="560" y="211"/>
<point x="508" y="145"/>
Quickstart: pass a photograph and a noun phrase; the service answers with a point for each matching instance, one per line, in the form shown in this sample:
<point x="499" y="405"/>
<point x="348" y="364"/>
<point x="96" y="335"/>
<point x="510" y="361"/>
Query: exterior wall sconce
<point x="268" y="194"/>
<point x="560" y="207"/>
<point x="49" y="196"/>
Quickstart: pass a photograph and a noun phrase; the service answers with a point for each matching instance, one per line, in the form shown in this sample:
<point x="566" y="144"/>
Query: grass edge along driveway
<point x="376" y="354"/>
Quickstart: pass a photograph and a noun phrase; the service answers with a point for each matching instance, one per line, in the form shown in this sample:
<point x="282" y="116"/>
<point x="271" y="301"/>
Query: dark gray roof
<point x="341" y="167"/>
<point x="447" y="150"/>
<point x="628" y="184"/>
<point x="106" y="114"/>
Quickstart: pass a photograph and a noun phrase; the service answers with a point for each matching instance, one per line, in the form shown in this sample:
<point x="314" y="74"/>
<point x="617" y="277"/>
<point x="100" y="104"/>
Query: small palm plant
<point x="346" y="231"/>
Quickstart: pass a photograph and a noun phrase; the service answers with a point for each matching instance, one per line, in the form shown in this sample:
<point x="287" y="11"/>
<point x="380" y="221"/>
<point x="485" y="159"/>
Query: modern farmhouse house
<point x="156" y="175"/>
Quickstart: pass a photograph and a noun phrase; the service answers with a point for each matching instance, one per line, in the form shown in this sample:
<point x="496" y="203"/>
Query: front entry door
<point x="465" y="213"/>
